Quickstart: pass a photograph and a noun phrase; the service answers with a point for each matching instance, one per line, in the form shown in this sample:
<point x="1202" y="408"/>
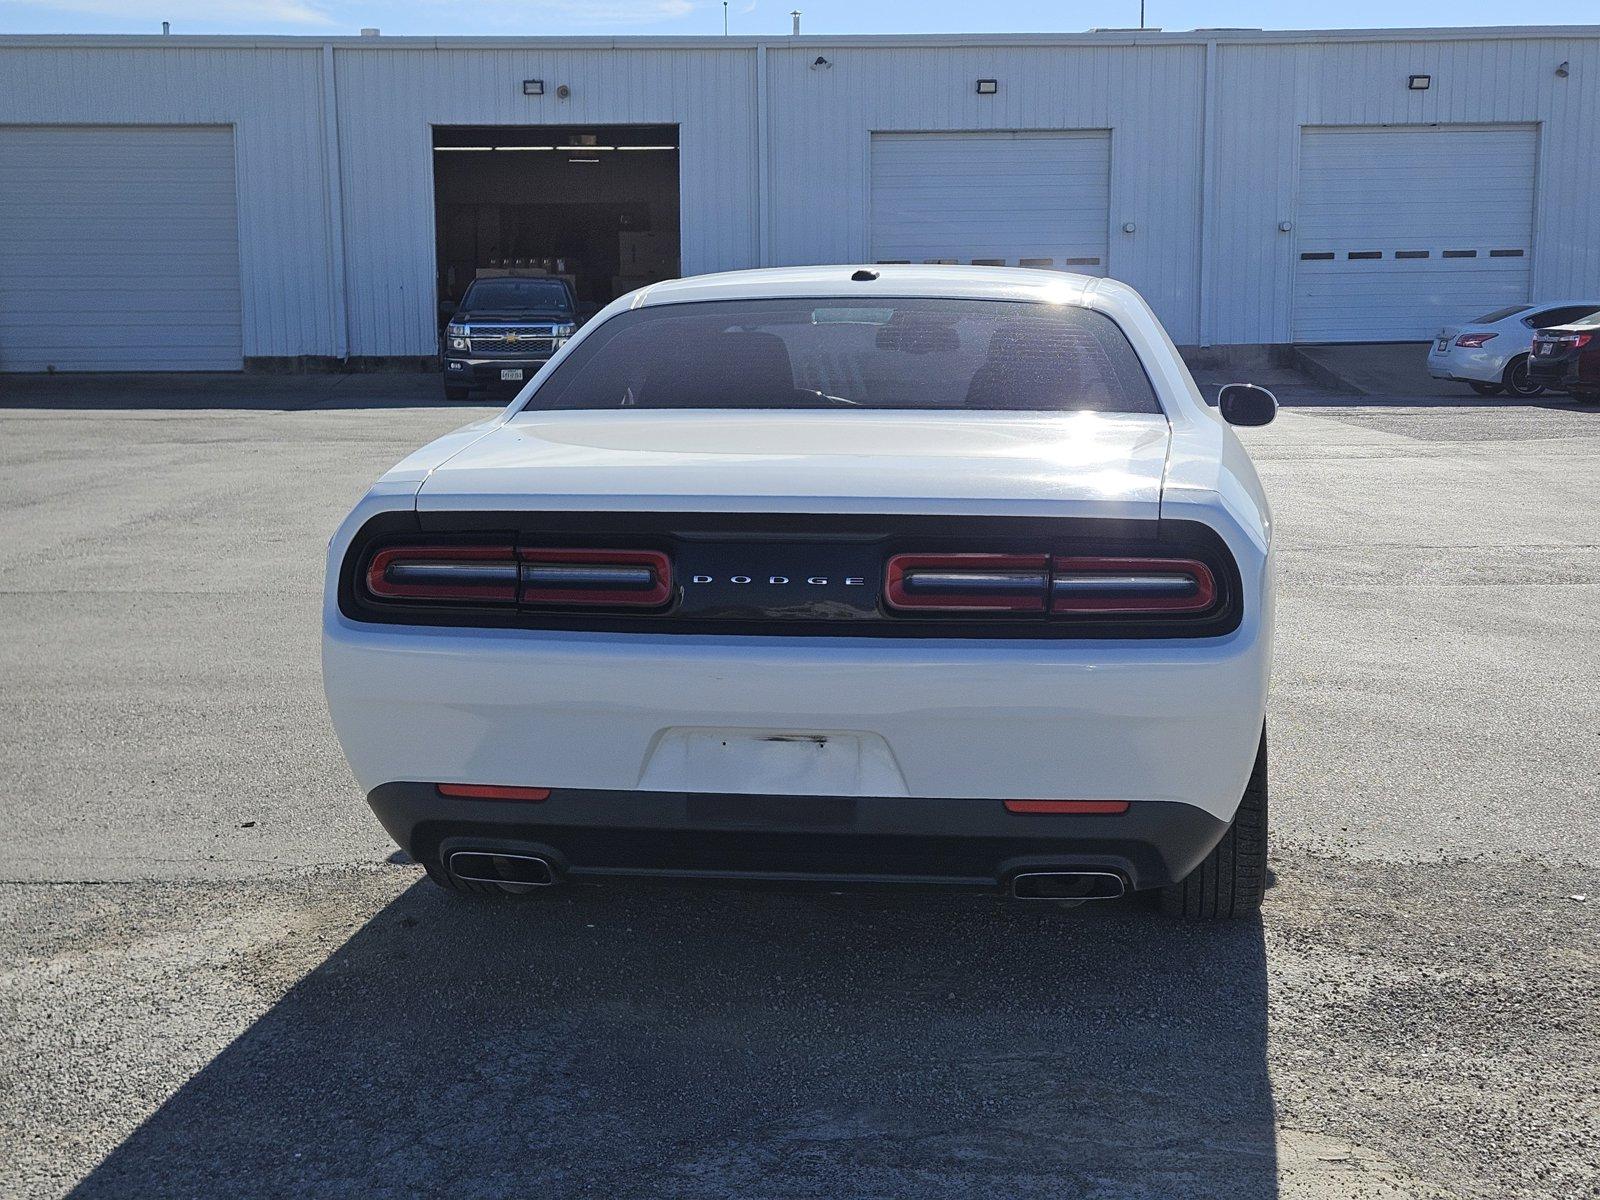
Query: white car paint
<point x="1508" y="338"/>
<point x="1105" y="464"/>
<point x="1174" y="719"/>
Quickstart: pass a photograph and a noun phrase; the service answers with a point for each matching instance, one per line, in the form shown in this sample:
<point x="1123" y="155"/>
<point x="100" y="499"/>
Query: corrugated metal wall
<point x="1149" y="97"/>
<point x="272" y="98"/>
<point x="1267" y="93"/>
<point x="813" y="148"/>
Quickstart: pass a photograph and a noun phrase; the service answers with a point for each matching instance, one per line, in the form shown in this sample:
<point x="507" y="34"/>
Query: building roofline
<point x="1108" y="37"/>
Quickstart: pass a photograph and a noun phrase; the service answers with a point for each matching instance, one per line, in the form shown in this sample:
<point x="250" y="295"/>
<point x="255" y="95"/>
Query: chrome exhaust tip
<point x="491" y="866"/>
<point x="1067" y="885"/>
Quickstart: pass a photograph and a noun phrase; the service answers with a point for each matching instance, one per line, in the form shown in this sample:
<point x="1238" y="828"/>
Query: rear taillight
<point x="453" y="574"/>
<point x="968" y="582"/>
<point x="1471" y="341"/>
<point x="1579" y="341"/>
<point x="1131" y="585"/>
<point x="501" y="574"/>
<point x="627" y="578"/>
<point x="1041" y="583"/>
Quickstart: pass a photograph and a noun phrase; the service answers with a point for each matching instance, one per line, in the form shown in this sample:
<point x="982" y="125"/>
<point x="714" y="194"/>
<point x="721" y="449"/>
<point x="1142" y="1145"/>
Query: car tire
<point x="457" y="393"/>
<point x="1230" y="881"/>
<point x="1485" y="389"/>
<point x="1516" y="379"/>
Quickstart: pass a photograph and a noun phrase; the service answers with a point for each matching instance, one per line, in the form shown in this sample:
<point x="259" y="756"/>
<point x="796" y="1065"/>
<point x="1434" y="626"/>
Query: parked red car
<point x="1567" y="358"/>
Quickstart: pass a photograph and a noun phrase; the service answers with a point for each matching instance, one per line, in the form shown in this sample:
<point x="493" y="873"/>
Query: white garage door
<point x="1404" y="230"/>
<point x="997" y="199"/>
<point x="119" y="250"/>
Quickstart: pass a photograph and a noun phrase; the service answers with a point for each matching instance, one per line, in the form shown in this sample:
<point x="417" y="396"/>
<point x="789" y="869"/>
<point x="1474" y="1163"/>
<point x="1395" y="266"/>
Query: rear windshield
<point x="880" y="353"/>
<point x="1500" y="314"/>
<point x="487" y="294"/>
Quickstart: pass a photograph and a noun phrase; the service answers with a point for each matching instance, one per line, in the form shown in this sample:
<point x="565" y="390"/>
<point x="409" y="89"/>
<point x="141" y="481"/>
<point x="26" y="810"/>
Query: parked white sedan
<point x="1490" y="354"/>
<point x="900" y="575"/>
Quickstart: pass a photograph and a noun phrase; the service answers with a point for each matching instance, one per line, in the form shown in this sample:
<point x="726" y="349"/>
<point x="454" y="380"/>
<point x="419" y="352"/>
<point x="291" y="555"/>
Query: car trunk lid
<point x="1060" y="464"/>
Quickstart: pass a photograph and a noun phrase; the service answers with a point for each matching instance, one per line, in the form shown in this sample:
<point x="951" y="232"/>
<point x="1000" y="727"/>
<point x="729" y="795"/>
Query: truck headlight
<point x="459" y="337"/>
<point x="565" y="331"/>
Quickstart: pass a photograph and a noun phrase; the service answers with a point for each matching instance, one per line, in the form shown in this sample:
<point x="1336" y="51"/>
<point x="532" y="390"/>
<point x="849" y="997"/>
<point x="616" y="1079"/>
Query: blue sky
<point x="554" y="17"/>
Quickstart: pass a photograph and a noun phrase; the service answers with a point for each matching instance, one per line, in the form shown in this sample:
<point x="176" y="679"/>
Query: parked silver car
<point x="1490" y="354"/>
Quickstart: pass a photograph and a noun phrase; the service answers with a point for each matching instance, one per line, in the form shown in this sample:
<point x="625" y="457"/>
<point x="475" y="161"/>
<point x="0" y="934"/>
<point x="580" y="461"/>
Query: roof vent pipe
<point x="166" y="28"/>
<point x="796" y="17"/>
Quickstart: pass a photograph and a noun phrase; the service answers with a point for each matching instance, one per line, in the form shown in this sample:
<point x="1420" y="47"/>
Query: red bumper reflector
<point x="1067" y="806"/>
<point x="473" y="791"/>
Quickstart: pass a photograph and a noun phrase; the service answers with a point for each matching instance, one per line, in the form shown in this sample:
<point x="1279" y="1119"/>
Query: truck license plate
<point x="514" y="375"/>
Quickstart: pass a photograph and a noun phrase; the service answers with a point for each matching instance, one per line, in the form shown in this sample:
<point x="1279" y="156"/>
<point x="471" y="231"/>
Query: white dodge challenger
<point x="898" y="575"/>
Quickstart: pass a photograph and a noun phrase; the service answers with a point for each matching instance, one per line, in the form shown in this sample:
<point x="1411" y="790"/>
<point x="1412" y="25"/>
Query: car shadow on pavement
<point x="652" y="1041"/>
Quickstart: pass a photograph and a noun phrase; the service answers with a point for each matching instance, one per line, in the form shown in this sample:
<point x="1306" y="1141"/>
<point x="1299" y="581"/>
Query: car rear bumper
<point x="1172" y="720"/>
<point x="485" y="372"/>
<point x="1554" y="373"/>
<point x="832" y="841"/>
<point x="1466" y="365"/>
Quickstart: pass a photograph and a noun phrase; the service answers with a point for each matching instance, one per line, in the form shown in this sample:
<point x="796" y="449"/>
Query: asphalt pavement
<point x="216" y="979"/>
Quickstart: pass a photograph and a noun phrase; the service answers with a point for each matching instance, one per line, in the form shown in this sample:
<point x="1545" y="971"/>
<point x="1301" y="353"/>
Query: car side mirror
<point x="447" y="308"/>
<point x="1246" y="404"/>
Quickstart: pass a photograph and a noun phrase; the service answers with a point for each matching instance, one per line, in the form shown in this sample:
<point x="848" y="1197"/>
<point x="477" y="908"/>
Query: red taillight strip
<point x="967" y="582"/>
<point x="473" y="791"/>
<point x="586" y="583"/>
<point x="444" y="573"/>
<point x="1067" y="806"/>
<point x="1131" y="585"/>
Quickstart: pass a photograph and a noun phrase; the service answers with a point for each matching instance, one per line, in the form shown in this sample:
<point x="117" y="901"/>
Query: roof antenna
<point x="796" y="15"/>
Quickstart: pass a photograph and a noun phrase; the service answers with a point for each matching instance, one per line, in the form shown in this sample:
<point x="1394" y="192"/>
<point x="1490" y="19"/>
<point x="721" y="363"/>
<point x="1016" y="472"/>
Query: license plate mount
<point x="771" y="762"/>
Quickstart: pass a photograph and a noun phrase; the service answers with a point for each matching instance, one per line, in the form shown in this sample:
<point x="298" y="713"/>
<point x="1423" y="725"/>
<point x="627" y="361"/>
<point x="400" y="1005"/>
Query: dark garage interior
<point x="596" y="204"/>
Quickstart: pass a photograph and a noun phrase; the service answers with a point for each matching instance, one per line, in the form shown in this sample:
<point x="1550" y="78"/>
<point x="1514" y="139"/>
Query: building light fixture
<point x="1419" y="83"/>
<point x="988" y="87"/>
<point x="533" y="87"/>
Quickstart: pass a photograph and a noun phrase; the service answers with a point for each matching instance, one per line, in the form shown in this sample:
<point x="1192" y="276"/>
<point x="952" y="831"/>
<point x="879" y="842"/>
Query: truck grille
<point x="520" y="340"/>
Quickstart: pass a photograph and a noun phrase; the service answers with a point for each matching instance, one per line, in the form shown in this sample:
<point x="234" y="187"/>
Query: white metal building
<point x="207" y="203"/>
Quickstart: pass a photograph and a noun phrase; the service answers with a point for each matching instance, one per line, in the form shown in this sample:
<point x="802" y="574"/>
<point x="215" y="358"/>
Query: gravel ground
<point x="214" y="981"/>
